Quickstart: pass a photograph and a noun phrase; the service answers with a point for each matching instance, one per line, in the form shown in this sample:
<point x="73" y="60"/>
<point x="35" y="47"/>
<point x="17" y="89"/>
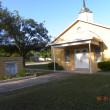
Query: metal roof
<point x="84" y="9"/>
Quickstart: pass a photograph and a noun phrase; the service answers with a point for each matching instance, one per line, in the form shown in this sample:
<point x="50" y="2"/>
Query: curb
<point x="16" y="79"/>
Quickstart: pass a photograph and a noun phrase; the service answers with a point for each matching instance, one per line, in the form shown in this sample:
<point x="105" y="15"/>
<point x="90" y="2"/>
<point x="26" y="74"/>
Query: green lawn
<point x="40" y="73"/>
<point x="78" y="92"/>
<point x="40" y="66"/>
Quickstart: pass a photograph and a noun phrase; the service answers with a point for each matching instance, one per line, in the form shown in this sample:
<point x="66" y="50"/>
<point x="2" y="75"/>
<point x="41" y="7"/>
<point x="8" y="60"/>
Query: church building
<point x="82" y="45"/>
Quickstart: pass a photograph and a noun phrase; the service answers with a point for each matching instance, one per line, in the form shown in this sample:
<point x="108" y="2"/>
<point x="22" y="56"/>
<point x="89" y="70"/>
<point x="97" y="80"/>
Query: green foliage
<point x="22" y="73"/>
<point x="34" y="53"/>
<point x="59" y="67"/>
<point x="9" y="50"/>
<point x="9" y="77"/>
<point x="26" y="34"/>
<point x="15" y="55"/>
<point x="51" y="66"/>
<point x="104" y="66"/>
<point x="45" y="53"/>
<point x="29" y="54"/>
<point x="6" y="77"/>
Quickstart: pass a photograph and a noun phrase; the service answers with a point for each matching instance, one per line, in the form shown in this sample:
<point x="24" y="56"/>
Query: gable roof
<point x="76" y="21"/>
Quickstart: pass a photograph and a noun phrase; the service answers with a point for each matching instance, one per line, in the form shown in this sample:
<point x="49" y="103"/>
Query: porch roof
<point x="63" y="44"/>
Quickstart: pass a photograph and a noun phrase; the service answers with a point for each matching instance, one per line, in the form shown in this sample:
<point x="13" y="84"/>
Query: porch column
<point x="90" y="68"/>
<point x="54" y="58"/>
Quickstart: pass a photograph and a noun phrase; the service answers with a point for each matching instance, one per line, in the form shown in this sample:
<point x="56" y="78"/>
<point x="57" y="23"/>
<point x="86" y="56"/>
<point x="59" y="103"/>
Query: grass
<point x="104" y="71"/>
<point x="40" y="73"/>
<point x="40" y="66"/>
<point x="78" y="92"/>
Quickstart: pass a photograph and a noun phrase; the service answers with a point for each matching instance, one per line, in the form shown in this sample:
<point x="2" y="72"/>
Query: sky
<point x="59" y="14"/>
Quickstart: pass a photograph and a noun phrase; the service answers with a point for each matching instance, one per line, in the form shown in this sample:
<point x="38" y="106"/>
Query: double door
<point x="81" y="58"/>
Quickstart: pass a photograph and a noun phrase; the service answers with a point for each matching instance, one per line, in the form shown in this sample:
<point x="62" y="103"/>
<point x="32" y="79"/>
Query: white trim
<point x="90" y="58"/>
<point x="77" y="20"/>
<point x="75" y="40"/>
<point x="72" y="44"/>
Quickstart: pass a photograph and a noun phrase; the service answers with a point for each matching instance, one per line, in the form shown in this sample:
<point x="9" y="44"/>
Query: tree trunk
<point x="23" y="61"/>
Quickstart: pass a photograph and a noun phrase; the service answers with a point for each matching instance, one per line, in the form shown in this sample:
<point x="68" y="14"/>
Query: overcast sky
<point x="58" y="14"/>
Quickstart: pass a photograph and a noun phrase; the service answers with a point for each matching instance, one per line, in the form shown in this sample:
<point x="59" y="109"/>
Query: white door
<point x="81" y="58"/>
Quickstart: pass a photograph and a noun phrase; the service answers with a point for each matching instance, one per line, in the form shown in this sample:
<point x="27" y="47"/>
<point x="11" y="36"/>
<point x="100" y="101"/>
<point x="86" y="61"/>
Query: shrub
<point x="6" y="77"/>
<point x="59" y="67"/>
<point x="51" y="66"/>
<point x="104" y="66"/>
<point x="22" y="73"/>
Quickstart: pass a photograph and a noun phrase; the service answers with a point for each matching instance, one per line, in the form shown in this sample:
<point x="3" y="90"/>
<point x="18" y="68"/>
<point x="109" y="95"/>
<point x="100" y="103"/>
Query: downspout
<point x="90" y="68"/>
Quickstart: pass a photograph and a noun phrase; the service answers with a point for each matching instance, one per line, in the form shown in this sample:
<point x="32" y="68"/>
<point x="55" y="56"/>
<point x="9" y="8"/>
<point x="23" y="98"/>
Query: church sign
<point x="11" y="68"/>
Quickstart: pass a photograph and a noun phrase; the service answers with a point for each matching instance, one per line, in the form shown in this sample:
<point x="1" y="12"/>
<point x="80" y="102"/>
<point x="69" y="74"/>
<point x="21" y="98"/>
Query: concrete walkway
<point x="38" y="63"/>
<point x="14" y="85"/>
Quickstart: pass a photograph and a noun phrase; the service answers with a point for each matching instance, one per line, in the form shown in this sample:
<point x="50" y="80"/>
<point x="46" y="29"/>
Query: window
<point x="84" y="51"/>
<point x="78" y="51"/>
<point x="67" y="56"/>
<point x="98" y="54"/>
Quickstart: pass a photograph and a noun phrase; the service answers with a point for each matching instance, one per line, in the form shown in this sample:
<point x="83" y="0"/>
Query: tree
<point x="46" y="53"/>
<point x="8" y="50"/>
<point x="26" y="34"/>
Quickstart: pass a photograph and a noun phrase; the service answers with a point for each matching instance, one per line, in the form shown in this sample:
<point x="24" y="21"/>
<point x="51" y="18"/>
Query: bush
<point x="59" y="67"/>
<point x="5" y="77"/>
<point x="22" y="73"/>
<point x="51" y="66"/>
<point x="104" y="66"/>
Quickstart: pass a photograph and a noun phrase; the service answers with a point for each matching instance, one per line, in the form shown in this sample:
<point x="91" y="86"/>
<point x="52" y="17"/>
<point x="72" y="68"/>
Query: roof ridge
<point x="103" y="26"/>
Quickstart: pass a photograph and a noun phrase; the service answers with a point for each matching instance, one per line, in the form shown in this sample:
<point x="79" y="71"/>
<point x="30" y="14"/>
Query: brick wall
<point x="3" y="61"/>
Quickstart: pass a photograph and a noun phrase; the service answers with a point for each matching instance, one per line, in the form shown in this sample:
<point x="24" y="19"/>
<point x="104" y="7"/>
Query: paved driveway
<point x="14" y="85"/>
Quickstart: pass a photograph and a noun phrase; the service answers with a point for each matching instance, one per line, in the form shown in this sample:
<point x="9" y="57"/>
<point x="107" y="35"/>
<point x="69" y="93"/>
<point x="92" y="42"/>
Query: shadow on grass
<point x="42" y="66"/>
<point x="78" y="92"/>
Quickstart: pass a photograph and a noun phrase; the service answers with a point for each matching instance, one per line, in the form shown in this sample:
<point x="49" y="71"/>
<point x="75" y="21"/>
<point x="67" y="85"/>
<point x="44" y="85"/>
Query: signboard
<point x="11" y="68"/>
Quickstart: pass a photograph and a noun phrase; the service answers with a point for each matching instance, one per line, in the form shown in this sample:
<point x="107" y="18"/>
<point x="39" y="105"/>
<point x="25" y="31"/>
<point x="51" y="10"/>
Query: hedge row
<point x="104" y="66"/>
<point x="51" y="66"/>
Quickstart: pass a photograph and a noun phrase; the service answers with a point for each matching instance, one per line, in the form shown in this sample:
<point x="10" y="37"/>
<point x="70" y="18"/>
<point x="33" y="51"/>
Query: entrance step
<point x="80" y="70"/>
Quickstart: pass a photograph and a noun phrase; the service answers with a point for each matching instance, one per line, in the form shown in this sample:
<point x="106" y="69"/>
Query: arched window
<point x="80" y="29"/>
<point x="84" y="51"/>
<point x="78" y="51"/>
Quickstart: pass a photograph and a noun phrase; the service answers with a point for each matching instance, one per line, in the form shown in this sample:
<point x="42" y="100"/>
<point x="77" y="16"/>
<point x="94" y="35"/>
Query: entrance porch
<point x="77" y="55"/>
